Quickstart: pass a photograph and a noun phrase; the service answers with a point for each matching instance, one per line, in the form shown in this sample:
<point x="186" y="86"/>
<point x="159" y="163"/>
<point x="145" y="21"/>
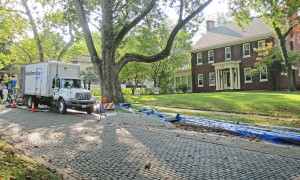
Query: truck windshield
<point x="72" y="83"/>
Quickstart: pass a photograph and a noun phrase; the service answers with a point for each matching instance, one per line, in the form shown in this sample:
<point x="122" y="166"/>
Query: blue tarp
<point x="276" y="134"/>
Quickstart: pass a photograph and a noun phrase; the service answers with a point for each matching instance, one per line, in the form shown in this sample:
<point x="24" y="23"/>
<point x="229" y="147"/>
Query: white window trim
<point x="229" y="53"/>
<point x="283" y="73"/>
<point x="202" y="80"/>
<point x="214" y="84"/>
<point x="244" y="50"/>
<point x="263" y="43"/>
<point x="263" y="80"/>
<point x="201" y="58"/>
<point x="245" y="81"/>
<point x="213" y="55"/>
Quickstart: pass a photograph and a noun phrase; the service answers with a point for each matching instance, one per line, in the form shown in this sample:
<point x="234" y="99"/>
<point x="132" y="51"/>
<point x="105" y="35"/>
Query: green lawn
<point x="15" y="165"/>
<point x="270" y="103"/>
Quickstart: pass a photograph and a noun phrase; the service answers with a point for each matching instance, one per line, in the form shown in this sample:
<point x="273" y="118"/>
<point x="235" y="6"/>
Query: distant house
<point x="223" y="57"/>
<point x="84" y="61"/>
<point x="183" y="76"/>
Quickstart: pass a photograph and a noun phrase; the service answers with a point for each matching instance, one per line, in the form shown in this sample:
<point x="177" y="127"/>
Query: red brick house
<point x="223" y="56"/>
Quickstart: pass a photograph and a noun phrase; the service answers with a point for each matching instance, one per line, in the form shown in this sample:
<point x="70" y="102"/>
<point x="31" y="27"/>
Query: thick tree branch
<point x="12" y="10"/>
<point x="68" y="45"/>
<point x="128" y="27"/>
<point x="166" y="52"/>
<point x="86" y="31"/>
<point x="180" y="11"/>
<point x="35" y="31"/>
<point x="288" y="31"/>
<point x="30" y="59"/>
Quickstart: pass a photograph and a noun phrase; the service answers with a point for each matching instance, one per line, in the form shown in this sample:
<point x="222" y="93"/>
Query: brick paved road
<point x="119" y="147"/>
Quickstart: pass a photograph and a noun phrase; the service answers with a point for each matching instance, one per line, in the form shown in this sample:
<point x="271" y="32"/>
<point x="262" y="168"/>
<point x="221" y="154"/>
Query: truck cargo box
<point x="37" y="78"/>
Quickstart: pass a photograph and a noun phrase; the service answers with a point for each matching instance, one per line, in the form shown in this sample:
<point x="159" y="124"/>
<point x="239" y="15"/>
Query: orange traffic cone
<point x="32" y="107"/>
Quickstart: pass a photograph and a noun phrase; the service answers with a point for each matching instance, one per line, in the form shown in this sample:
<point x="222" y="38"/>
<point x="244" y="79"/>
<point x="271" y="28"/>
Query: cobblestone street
<point x="134" y="146"/>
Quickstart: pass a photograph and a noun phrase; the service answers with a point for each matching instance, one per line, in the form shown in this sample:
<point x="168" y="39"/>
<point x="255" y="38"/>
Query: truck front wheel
<point x="89" y="110"/>
<point x="62" y="109"/>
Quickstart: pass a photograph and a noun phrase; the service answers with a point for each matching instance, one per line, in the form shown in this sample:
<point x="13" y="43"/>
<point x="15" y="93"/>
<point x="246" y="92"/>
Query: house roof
<point x="231" y="34"/>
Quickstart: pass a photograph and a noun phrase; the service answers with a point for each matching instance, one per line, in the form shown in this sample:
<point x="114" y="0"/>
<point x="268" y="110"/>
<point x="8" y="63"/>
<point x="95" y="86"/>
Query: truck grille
<point x="83" y="96"/>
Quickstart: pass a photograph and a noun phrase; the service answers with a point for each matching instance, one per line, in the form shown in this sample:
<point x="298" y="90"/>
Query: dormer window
<point x="211" y="57"/>
<point x="246" y="50"/>
<point x="227" y="53"/>
<point x="199" y="58"/>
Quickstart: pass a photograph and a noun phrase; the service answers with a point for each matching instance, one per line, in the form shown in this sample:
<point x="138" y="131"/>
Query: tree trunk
<point x="110" y="87"/>
<point x="35" y="32"/>
<point x="288" y="64"/>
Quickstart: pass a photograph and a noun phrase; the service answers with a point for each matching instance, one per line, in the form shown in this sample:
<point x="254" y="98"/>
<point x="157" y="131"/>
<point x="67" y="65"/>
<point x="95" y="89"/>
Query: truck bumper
<point x="80" y="104"/>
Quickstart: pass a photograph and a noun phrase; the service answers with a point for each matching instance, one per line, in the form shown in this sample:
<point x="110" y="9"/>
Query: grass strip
<point x="15" y="165"/>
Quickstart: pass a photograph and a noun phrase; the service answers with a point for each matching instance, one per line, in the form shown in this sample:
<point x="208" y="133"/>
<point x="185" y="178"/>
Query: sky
<point x="209" y="13"/>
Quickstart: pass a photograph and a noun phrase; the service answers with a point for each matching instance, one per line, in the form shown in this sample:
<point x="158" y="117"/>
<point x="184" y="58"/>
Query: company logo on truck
<point x="37" y="74"/>
<point x="29" y="73"/>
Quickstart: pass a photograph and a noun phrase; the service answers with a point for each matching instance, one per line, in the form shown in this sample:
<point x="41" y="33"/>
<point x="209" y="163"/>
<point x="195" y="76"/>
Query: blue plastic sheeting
<point x="178" y="118"/>
<point x="274" y="134"/>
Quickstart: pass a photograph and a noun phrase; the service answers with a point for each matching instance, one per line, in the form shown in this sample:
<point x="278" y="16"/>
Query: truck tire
<point x="62" y="109"/>
<point x="36" y="103"/>
<point x="29" y="100"/>
<point x="89" y="110"/>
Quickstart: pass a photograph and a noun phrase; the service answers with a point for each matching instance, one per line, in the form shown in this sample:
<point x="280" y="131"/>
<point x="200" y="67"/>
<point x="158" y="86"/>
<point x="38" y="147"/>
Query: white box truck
<point x="55" y="84"/>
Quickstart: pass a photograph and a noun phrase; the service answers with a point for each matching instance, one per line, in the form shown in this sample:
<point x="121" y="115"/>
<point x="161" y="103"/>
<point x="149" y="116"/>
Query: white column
<point x="221" y="80"/>
<point x="216" y="79"/>
<point x="239" y="77"/>
<point x="231" y="78"/>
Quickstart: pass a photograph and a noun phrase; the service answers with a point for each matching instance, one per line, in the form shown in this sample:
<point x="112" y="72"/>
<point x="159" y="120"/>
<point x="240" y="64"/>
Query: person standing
<point x="13" y="83"/>
<point x="6" y="80"/>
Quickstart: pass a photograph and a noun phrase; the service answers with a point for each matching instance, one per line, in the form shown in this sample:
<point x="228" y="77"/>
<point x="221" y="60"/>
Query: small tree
<point x="269" y="55"/>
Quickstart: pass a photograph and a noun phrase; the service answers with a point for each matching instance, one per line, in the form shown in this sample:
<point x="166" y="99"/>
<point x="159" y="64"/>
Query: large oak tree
<point x="117" y="18"/>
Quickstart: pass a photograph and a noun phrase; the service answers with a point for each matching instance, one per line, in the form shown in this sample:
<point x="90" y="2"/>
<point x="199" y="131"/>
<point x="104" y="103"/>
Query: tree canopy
<point x="117" y="19"/>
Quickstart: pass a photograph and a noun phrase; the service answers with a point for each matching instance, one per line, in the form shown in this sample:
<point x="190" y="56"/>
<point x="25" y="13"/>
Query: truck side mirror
<point x="53" y="86"/>
<point x="89" y="85"/>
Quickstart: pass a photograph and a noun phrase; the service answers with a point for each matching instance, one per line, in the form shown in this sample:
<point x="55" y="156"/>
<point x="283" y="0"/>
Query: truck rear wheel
<point x="89" y="110"/>
<point x="29" y="100"/>
<point x="62" y="109"/>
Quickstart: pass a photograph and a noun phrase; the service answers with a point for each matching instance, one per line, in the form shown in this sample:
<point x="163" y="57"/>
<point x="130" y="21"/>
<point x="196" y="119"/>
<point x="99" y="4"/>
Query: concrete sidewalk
<point x="134" y="146"/>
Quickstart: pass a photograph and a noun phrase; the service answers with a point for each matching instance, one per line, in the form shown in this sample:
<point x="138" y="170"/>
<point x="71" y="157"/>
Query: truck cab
<point x="71" y="93"/>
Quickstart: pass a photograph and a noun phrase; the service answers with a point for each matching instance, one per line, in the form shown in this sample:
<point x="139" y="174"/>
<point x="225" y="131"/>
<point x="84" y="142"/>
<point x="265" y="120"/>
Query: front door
<point x="226" y="79"/>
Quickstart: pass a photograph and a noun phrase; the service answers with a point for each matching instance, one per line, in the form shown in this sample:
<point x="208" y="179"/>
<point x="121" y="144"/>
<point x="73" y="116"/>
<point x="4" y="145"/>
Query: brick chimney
<point x="210" y="25"/>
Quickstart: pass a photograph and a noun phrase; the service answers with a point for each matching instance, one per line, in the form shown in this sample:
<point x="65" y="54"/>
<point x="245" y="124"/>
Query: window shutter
<point x="232" y="52"/>
<point x="204" y="56"/>
<point x="194" y="59"/>
<point x="241" y="51"/>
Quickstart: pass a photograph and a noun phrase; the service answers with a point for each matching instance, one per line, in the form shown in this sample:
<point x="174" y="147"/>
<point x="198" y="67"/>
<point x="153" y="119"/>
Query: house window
<point x="212" y="78"/>
<point x="246" y="50"/>
<point x="189" y="82"/>
<point x="177" y="80"/>
<point x="261" y="44"/>
<point x="200" y="80"/>
<point x="199" y="58"/>
<point x="284" y="71"/>
<point x="211" y="57"/>
<point x="227" y="53"/>
<point x="248" y="78"/>
<point x="263" y="74"/>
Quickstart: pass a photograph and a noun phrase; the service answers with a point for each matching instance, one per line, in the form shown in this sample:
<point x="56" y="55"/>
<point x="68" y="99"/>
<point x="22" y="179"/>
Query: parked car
<point x="2" y="86"/>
